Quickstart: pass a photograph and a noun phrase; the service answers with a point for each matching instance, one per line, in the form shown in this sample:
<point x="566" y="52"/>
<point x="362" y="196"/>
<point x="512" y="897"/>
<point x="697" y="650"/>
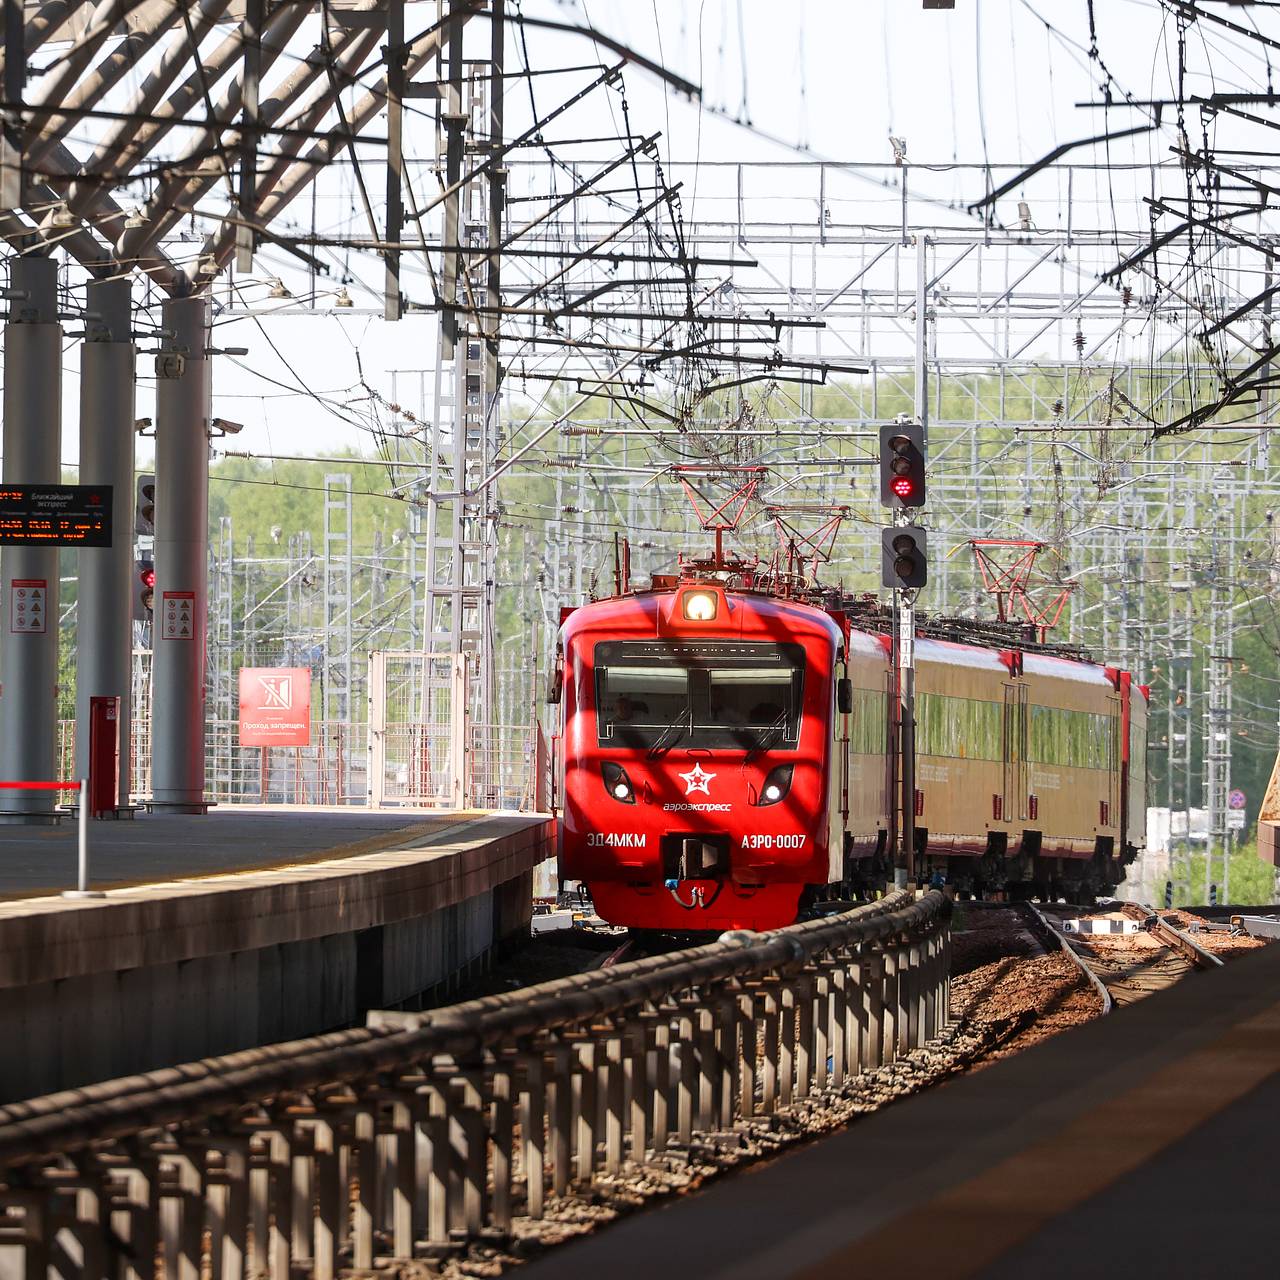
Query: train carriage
<point x="862" y="753"/>
<point x="695" y="761"/>
<point x="960" y="747"/>
<point x="1022" y="775"/>
<point x="725" y="752"/>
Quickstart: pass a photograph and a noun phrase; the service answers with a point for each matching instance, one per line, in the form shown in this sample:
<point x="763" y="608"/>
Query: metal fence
<point x="426" y="1129"/>
<point x="498" y="770"/>
<point x="417" y="728"/>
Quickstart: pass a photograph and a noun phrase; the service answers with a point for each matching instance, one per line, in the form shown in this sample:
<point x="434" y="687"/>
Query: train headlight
<point x="617" y="783"/>
<point x="700" y="606"/>
<point x="776" y="785"/>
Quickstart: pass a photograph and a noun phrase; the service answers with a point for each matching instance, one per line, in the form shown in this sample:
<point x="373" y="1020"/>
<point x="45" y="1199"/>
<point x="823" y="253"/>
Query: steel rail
<point x="1173" y="937"/>
<point x="417" y="1113"/>
<point x="1061" y="942"/>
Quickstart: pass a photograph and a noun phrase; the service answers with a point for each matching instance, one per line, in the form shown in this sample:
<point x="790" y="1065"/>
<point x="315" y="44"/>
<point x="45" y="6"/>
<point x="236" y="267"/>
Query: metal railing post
<point x="533" y="1133"/>
<point x="365" y="1210"/>
<point x="747" y="1053"/>
<point x="772" y="1050"/>
<point x="821" y="1018"/>
<point x="635" y="1079"/>
<point x="889" y="1024"/>
<point x="402" y="1177"/>
<point x="586" y="1110"/>
<point x="804" y="999"/>
<point x="661" y="1077"/>
<point x="902" y="957"/>
<point x="503" y="1134"/>
<point x="914" y="993"/>
<point x="839" y="1015"/>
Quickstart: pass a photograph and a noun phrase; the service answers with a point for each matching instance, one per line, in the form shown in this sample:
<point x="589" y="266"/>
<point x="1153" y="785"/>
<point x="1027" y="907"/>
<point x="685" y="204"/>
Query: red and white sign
<point x="275" y="706"/>
<point x="28" y="606"/>
<point x="177" y="615"/>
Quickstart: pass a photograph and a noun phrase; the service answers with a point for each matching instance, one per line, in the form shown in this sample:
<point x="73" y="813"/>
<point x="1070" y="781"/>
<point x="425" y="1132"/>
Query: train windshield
<point x="716" y="694"/>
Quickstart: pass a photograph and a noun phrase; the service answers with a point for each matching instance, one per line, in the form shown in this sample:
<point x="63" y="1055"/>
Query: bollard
<point x="82" y="889"/>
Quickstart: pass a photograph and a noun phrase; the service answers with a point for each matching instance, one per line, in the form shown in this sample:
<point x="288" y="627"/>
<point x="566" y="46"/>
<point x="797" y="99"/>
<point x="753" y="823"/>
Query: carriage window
<point x="869" y="723"/>
<point x="716" y="694"/>
<point x="1076" y="739"/>
<point x="963" y="728"/>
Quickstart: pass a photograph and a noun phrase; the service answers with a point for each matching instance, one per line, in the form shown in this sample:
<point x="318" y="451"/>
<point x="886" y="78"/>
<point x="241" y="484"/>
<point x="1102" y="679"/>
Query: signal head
<point x="903" y="557"/>
<point x="902" y="478"/>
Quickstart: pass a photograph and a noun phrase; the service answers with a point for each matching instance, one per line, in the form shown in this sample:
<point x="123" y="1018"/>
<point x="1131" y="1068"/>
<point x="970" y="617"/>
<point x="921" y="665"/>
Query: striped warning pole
<point x="81" y="787"/>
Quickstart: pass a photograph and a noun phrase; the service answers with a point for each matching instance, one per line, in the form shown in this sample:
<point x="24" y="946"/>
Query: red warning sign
<point x="275" y="706"/>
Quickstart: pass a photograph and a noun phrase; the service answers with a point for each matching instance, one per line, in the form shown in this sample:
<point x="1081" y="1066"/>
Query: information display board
<point x="55" y="515"/>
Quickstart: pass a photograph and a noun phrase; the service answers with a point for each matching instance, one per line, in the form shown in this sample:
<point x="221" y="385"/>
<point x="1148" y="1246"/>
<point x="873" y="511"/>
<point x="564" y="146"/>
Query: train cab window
<point x="713" y="694"/>
<point x="750" y="696"/>
<point x="643" y="696"/>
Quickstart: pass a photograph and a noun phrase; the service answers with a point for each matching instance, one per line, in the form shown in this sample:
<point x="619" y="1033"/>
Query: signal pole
<point x="904" y="604"/>
<point x="904" y="569"/>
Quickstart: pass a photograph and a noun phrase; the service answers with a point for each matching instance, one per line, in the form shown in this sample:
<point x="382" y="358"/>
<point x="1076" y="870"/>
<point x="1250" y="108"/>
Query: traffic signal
<point x="904" y="556"/>
<point x="144" y="507"/>
<point x="144" y="589"/>
<point x="902" y="465"/>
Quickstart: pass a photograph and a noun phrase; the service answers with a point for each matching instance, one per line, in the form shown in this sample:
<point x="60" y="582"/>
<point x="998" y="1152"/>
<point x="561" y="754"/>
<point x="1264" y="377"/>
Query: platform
<point x="329" y="914"/>
<point x="39" y="860"/>
<point x="1140" y="1144"/>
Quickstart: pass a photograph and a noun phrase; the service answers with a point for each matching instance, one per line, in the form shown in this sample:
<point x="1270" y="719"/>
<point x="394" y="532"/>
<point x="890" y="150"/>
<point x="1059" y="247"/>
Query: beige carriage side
<point x="1073" y="756"/>
<point x="866" y="760"/>
<point x="960" y="762"/>
<point x="1136" y="810"/>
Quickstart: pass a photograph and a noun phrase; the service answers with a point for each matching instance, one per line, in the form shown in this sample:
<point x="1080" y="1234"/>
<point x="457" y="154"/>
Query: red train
<point x="725" y="752"/>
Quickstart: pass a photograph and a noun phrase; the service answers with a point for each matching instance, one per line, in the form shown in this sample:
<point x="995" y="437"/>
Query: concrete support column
<point x="104" y="608"/>
<point x="29" y="635"/>
<point x="183" y="403"/>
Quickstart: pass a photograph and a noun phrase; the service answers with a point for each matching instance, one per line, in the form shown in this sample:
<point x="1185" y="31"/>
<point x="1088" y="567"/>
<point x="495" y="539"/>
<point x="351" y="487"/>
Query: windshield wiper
<point x="660" y="744"/>
<point x="768" y="737"/>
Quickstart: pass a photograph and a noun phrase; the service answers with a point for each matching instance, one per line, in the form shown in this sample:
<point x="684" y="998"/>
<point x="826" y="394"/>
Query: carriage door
<point x="1015" y="752"/>
<point x="1113" y="767"/>
<point x="843" y="722"/>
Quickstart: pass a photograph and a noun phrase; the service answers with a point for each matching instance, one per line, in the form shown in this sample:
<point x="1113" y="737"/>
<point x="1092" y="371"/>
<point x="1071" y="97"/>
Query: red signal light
<point x="902" y="486"/>
<point x="148" y="577"/>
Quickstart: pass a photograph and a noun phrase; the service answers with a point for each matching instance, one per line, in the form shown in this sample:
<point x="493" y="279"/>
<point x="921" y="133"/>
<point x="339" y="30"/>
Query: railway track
<point x="627" y="951"/>
<point x="1128" y="967"/>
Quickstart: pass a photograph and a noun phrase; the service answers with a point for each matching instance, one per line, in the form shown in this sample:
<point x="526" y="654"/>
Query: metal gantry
<point x="602" y="312"/>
